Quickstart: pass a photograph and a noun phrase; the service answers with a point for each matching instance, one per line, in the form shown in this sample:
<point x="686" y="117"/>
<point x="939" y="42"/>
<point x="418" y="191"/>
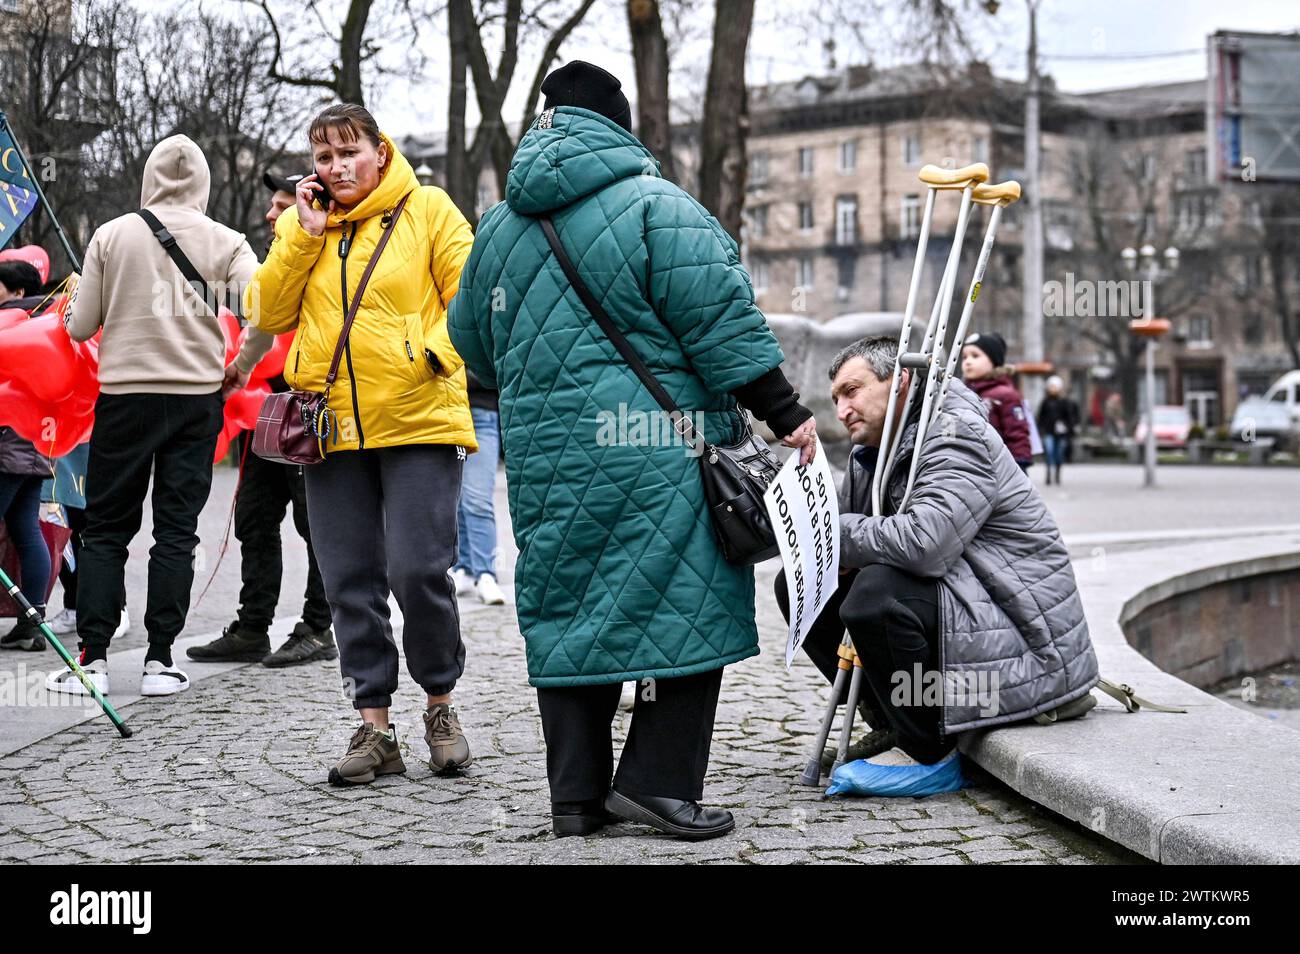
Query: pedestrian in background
<point x="266" y="491"/>
<point x="1058" y="417"/>
<point x="162" y="375"/>
<point x="476" y="562"/>
<point x="983" y="368"/>
<point x="22" y="468"/>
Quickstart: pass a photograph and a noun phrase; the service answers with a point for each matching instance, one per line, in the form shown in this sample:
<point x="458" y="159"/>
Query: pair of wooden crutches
<point x="939" y="363"/>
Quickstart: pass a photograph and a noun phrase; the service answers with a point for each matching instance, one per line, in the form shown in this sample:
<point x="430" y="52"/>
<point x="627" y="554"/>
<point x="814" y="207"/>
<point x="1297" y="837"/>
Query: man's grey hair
<point x="879" y="351"/>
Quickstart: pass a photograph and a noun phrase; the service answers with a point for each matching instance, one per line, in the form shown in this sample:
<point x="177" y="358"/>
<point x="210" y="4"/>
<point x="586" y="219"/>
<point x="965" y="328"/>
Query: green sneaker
<point x="303" y="646"/>
<point x="235" y="644"/>
<point x="448" y="747"/>
<point x="371" y="753"/>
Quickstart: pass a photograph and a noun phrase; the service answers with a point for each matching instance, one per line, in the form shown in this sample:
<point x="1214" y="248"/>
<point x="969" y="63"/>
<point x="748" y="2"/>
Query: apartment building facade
<point x="834" y="206"/>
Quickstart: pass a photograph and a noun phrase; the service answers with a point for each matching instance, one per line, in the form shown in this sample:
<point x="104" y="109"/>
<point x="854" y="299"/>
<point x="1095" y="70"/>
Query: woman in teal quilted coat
<point x="620" y="576"/>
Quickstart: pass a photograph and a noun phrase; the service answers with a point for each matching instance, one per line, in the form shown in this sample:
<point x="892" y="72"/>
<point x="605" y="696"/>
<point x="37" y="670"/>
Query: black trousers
<point x="893" y="619"/>
<point x="667" y="750"/>
<point x="266" y="491"/>
<point x="174" y="435"/>
<point x="68" y="571"/>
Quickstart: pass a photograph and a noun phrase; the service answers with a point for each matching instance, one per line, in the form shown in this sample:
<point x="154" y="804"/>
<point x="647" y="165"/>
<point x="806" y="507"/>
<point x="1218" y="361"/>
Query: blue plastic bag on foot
<point x="862" y="777"/>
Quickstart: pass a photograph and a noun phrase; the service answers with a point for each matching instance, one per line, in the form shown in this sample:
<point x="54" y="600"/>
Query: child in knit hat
<point x="983" y="369"/>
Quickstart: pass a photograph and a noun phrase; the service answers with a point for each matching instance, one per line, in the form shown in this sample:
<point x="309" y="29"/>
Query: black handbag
<point x="734" y="477"/>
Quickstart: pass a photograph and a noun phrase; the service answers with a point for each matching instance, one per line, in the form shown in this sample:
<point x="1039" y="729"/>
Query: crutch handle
<point x="1003" y="193"/>
<point x="918" y="360"/>
<point x="939" y="178"/>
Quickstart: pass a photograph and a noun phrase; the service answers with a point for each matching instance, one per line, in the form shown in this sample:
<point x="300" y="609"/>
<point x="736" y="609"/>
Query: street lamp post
<point x="1150" y="327"/>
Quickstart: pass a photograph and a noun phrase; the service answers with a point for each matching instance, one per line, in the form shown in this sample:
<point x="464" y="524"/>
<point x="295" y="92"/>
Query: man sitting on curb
<point x="963" y="609"/>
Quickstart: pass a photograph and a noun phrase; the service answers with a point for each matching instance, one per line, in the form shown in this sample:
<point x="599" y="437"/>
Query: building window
<point x="910" y="220"/>
<point x="1252" y="272"/>
<point x="1194" y="164"/>
<point x="805" y="161"/>
<point x="845" y="275"/>
<point x="979" y="149"/>
<point x="758" y="168"/>
<point x="758" y="221"/>
<point x="846" y="220"/>
<point x="805" y="217"/>
<point x="1252" y="329"/>
<point x="912" y="149"/>
<point x="848" y="155"/>
<point x="1147" y="167"/>
<point x="804" y="272"/>
<point x="758" y="273"/>
<point x="1199" y="332"/>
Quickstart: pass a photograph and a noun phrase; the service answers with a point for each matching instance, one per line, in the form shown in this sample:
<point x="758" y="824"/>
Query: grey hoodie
<point x="159" y="336"/>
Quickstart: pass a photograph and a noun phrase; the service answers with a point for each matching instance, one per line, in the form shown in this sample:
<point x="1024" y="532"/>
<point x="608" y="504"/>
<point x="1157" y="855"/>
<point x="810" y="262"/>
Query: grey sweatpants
<point x="387" y="517"/>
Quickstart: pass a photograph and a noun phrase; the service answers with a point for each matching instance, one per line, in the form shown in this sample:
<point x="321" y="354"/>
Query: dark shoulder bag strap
<point x="624" y="347"/>
<point x="389" y="229"/>
<point x="173" y="250"/>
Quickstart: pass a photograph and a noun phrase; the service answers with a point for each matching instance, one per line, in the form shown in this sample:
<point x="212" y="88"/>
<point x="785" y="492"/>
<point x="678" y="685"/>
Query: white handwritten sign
<point x="805" y="513"/>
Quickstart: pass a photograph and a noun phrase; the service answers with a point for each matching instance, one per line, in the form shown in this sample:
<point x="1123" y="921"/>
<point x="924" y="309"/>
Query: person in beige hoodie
<point x="162" y="375"/>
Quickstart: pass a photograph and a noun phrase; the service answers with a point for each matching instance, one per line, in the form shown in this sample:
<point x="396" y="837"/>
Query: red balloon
<point x="10" y="317"/>
<point x="19" y="411"/>
<point x="272" y="362"/>
<point x="241" y="412"/>
<point x="39" y="353"/>
<point x="33" y="255"/>
<point x="230" y="330"/>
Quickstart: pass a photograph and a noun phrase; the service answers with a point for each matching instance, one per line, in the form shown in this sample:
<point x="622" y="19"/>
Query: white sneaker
<point x="488" y="591"/>
<point x="66" y="681"/>
<point x="63" y="623"/>
<point x="464" y="582"/>
<point x="124" y="624"/>
<point x="160" y="680"/>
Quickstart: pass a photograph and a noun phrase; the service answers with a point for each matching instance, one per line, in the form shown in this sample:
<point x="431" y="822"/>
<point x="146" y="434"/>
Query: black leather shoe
<point x="579" y="818"/>
<point x="672" y="816"/>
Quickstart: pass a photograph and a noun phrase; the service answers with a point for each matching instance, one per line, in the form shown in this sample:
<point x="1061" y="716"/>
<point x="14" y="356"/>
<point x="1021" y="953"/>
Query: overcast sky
<point x="1085" y="44"/>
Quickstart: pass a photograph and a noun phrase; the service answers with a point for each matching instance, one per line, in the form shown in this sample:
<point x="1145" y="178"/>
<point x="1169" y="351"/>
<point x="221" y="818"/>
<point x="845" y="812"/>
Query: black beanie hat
<point x="992" y="344"/>
<point x="589" y="87"/>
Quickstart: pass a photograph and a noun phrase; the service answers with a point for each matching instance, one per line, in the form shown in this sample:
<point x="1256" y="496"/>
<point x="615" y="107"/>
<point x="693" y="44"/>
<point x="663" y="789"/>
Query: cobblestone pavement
<point x="234" y="770"/>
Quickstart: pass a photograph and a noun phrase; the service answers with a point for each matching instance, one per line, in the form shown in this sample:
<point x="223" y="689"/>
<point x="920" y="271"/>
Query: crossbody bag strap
<point x="174" y="252"/>
<point x="681" y="422"/>
<point x="361" y="287"/>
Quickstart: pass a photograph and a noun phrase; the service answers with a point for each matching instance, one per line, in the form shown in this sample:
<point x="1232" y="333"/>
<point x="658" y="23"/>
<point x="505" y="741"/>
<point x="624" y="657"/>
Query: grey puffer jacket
<point x="1015" y="641"/>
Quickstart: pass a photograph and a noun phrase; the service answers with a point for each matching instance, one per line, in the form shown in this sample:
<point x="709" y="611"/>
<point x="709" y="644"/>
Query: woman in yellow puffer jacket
<point x="382" y="504"/>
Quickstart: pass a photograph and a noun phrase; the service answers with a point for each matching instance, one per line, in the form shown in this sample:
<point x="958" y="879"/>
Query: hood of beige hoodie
<point x="176" y="175"/>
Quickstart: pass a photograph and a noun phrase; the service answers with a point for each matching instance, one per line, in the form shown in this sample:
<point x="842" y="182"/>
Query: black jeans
<point x="893" y="620"/>
<point x="174" y="435"/>
<point x="266" y="491"/>
<point x="384" y="517"/>
<point x="667" y="750"/>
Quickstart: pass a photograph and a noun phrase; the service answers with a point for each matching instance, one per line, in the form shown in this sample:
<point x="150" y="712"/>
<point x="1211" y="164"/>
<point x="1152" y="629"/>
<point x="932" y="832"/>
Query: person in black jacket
<point x="266" y="491"/>
<point x="1058" y="416"/>
<point x="22" y="469"/>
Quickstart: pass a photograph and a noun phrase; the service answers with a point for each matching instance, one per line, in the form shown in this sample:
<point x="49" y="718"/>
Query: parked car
<point x="1173" y="424"/>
